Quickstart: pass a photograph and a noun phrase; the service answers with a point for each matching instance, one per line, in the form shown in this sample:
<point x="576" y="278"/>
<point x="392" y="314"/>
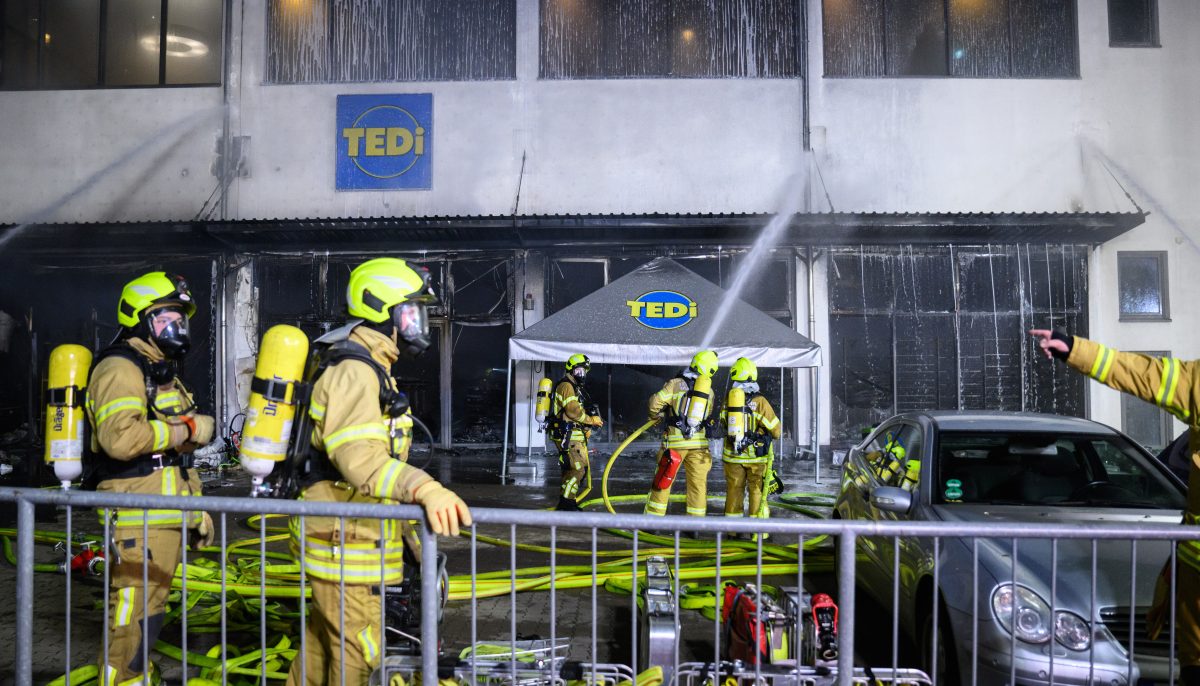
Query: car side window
<point x="886" y="455"/>
<point x="909" y="476"/>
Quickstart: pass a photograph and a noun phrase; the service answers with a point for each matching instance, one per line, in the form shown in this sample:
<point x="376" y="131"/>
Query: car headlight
<point x="1033" y="618"/>
<point x="1031" y="613"/>
<point x="1072" y="631"/>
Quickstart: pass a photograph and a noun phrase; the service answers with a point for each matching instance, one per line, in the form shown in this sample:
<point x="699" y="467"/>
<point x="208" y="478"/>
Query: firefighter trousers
<point x="696" y="464"/>
<point x="136" y="610"/>
<point x="741" y="478"/>
<point x="575" y="467"/>
<point x="324" y="639"/>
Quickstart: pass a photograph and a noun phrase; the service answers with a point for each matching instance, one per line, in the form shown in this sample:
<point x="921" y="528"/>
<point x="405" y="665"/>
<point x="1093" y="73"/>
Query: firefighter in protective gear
<point x="144" y="427"/>
<point x="746" y="464"/>
<point x="571" y="426"/>
<point x="1173" y="385"/>
<point x="681" y="447"/>
<point x="352" y="461"/>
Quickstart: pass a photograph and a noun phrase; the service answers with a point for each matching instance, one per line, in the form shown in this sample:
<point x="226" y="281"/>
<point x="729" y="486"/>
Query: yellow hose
<point x="612" y="460"/>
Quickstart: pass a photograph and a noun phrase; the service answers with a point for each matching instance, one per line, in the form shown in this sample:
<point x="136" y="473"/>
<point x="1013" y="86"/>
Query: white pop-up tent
<point x="659" y="314"/>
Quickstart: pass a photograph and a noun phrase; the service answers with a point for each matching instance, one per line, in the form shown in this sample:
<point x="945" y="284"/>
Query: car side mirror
<point x="891" y="499"/>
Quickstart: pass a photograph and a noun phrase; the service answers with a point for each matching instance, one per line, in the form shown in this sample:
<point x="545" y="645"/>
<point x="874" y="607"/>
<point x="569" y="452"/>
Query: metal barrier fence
<point x="543" y="662"/>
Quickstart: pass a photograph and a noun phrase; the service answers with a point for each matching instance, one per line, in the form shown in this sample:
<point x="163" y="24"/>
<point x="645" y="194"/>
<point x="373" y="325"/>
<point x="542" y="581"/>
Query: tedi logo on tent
<point x="662" y="309"/>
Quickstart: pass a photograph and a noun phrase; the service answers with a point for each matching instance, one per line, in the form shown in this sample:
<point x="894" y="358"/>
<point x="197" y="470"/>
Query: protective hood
<point x="659" y="314"/>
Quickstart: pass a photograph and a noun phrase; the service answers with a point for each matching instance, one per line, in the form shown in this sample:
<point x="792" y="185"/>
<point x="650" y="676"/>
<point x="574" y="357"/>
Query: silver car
<point x="1014" y="467"/>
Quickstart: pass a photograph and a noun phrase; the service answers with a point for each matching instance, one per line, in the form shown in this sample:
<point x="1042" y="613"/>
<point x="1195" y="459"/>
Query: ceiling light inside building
<point x="178" y="43"/>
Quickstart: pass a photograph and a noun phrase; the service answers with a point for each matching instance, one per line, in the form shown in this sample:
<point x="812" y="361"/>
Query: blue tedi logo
<point x="662" y="309"/>
<point x="384" y="141"/>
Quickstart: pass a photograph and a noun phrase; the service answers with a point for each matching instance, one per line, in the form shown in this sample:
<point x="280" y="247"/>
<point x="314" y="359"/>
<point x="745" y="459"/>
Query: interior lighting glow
<point x="177" y="46"/>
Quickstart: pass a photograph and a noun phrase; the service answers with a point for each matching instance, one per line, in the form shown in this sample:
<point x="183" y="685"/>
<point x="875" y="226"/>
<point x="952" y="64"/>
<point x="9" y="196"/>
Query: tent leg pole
<point x="508" y="379"/>
<point x="782" y="383"/>
<point x="532" y="409"/>
<point x="814" y="384"/>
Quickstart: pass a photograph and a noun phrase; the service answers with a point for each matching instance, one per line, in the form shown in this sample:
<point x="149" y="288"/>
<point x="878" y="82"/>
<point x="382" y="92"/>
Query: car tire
<point x="947" y="657"/>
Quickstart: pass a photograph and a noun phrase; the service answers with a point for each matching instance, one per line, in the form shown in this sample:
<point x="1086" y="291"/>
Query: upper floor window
<point x="956" y="38"/>
<point x="1133" y="23"/>
<point x="603" y="39"/>
<point x="352" y="41"/>
<point x="1142" y="284"/>
<point x="62" y="44"/>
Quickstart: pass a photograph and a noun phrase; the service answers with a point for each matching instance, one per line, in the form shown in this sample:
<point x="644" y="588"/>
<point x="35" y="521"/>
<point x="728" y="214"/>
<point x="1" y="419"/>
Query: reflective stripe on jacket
<point x="349" y="426"/>
<point x="1173" y="385"/>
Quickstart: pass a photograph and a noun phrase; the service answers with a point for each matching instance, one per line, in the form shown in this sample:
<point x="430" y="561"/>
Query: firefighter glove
<point x="1054" y="343"/>
<point x="203" y="433"/>
<point x="445" y="510"/>
<point x="205" y="532"/>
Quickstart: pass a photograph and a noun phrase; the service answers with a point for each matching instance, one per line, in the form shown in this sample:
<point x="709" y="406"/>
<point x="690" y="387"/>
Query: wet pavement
<point x="532" y="483"/>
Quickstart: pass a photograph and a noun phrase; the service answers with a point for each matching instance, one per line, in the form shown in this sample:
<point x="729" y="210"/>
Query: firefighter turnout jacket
<point x="349" y="427"/>
<point x="669" y="402"/>
<point x="567" y="407"/>
<point x="1173" y="385"/>
<point x="137" y="434"/>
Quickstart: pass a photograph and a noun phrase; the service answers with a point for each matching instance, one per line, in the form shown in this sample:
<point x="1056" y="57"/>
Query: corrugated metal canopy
<point x="496" y="232"/>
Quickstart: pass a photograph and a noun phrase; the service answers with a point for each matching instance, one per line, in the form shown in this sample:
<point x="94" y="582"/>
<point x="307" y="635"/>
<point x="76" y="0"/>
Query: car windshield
<point x="1039" y="469"/>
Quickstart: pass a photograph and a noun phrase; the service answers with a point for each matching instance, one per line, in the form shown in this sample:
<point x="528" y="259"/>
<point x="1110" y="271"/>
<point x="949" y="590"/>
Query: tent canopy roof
<point x="603" y="325"/>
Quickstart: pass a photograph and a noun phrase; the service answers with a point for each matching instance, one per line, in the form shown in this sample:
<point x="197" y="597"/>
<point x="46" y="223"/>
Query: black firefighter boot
<point x="567" y="505"/>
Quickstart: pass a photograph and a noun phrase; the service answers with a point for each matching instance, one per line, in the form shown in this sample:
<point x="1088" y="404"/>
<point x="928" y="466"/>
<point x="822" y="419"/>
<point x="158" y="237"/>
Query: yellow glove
<point x="445" y="510"/>
<point x="596" y="421"/>
<point x="205" y="532"/>
<point x="205" y="427"/>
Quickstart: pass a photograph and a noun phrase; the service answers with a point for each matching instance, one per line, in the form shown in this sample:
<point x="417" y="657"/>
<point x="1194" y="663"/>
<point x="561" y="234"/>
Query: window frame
<point x="101" y="54"/>
<point x="1075" y="76"/>
<point x="1155" y="40"/>
<point x="1166" y="424"/>
<point x="1164" y="286"/>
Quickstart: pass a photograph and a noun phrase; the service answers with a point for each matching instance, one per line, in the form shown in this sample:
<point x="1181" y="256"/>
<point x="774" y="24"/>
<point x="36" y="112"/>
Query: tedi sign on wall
<point x="384" y="142"/>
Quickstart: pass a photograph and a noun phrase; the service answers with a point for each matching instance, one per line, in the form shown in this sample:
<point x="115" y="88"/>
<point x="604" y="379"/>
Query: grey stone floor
<point x="532" y="484"/>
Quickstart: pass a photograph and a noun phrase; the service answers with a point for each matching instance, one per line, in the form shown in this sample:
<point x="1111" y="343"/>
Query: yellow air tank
<point x="542" y="409"/>
<point x="696" y="403"/>
<point x="280" y="368"/>
<point x="65" y="420"/>
<point x="735" y="416"/>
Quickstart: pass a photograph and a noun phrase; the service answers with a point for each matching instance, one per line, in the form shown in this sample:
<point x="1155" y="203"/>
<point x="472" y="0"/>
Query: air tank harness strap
<point x="277" y="390"/>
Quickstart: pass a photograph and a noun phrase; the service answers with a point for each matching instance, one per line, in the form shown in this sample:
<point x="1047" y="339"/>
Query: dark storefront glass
<point x="352" y="41"/>
<point x="588" y="39"/>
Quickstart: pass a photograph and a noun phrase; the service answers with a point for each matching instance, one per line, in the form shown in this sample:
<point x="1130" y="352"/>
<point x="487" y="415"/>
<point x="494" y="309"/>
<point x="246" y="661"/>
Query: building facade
<point x="963" y="171"/>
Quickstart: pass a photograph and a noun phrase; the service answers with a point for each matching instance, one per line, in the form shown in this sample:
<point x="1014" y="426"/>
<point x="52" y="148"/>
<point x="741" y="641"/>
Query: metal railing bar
<point x="183" y="602"/>
<point x="145" y="592"/>
<point x="430" y="601"/>
<point x="718" y="600"/>
<point x="302" y="656"/>
<point x="474" y="601"/>
<point x="67" y="609"/>
<point x="895" y="603"/>
<point x="580" y="520"/>
<point x="846" y="593"/>
<point x="1132" y="607"/>
<point x="110" y="556"/>
<point x="1012" y="620"/>
<point x="23" y="659"/>
<point x="341" y="599"/>
<point x="262" y="592"/>
<point x="512" y="594"/>
<point x="975" y="609"/>
<point x="224" y="603"/>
